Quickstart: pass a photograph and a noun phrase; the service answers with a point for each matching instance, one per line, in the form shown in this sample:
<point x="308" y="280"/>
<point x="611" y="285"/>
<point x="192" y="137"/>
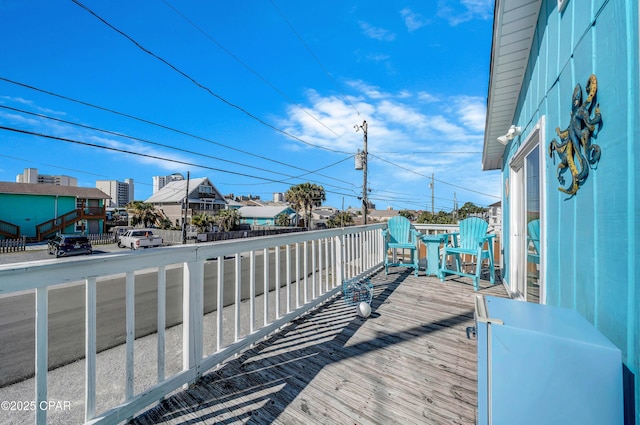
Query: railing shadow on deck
<point x="233" y="383"/>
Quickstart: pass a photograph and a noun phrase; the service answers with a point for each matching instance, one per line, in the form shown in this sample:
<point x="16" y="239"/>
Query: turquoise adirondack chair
<point x="473" y="236"/>
<point x="534" y="238"/>
<point x="399" y="234"/>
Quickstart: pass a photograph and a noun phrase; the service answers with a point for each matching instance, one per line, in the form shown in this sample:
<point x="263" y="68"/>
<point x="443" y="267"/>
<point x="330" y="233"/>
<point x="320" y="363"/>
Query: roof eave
<point x="514" y="26"/>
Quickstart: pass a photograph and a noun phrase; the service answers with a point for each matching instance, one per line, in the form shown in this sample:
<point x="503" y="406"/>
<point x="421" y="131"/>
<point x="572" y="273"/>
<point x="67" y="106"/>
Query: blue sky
<point x="255" y="95"/>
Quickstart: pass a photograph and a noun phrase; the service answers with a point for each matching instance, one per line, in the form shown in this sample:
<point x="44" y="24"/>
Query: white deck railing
<point x="299" y="271"/>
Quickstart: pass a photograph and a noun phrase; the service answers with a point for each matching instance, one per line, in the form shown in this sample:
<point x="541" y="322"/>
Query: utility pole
<point x="184" y="218"/>
<point x="455" y="206"/>
<point x="365" y="202"/>
<point x="432" y="185"/>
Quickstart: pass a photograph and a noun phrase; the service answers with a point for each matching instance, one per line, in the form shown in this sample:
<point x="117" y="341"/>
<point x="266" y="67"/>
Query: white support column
<point x="278" y="278"/>
<point x="252" y="291"/>
<point x="266" y="286"/>
<point x="220" y="300"/>
<point x="42" y="361"/>
<point x="334" y="262"/>
<point x="238" y="289"/>
<point x="288" y="277"/>
<point x="327" y="264"/>
<point x="130" y="318"/>
<point x="162" y="320"/>
<point x="340" y="250"/>
<point x="90" y="350"/>
<point x="192" y="314"/>
<point x="313" y="270"/>
<point x="306" y="272"/>
<point x="297" y="274"/>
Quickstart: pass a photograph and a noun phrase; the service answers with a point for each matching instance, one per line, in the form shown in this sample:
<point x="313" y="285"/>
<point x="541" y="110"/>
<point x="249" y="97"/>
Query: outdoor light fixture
<point x="511" y="133"/>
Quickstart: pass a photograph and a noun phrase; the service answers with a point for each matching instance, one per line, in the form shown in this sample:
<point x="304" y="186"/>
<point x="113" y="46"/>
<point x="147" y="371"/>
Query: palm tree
<point x="283" y="220"/>
<point x="228" y="219"/>
<point x="203" y="221"/>
<point x="305" y="196"/>
<point x="294" y="197"/>
<point x="143" y="213"/>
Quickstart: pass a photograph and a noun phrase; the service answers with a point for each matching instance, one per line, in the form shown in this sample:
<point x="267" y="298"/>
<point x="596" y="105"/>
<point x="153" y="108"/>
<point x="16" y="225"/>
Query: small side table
<point x="433" y="242"/>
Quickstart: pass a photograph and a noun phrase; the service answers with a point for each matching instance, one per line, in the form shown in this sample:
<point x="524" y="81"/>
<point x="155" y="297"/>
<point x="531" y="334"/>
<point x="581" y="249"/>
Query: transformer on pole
<point x="363" y="166"/>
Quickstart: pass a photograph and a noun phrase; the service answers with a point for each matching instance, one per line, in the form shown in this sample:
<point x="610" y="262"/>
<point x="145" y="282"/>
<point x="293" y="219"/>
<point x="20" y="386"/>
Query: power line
<point x="439" y="181"/>
<point x="165" y="127"/>
<point x="164" y="145"/>
<point x="160" y="158"/>
<point x="430" y="153"/>
<point x="200" y="85"/>
<point x="310" y="172"/>
<point x="306" y="46"/>
<point x="250" y="69"/>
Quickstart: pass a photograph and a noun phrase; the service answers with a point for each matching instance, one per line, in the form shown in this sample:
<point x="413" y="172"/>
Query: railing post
<point x="162" y="316"/>
<point x="252" y="291"/>
<point x="220" y="302"/>
<point x="297" y="274"/>
<point x="288" y="276"/>
<point x="130" y="319"/>
<point x="340" y="266"/>
<point x="238" y="295"/>
<point x="265" y="295"/>
<point x="278" y="278"/>
<point x="306" y="271"/>
<point x="42" y="363"/>
<point x="90" y="350"/>
<point x="192" y="314"/>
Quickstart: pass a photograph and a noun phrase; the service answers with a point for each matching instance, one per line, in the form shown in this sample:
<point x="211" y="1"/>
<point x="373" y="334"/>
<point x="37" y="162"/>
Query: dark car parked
<point x="67" y="245"/>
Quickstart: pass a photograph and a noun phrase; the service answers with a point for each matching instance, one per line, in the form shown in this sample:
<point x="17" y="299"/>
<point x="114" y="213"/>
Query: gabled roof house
<point x="203" y="198"/>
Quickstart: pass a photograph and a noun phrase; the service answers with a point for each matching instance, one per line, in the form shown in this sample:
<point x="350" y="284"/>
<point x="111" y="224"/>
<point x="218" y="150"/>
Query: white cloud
<point x="472" y="110"/>
<point x="426" y="97"/>
<point x="22" y="101"/>
<point x="132" y="146"/>
<point x="376" y="33"/>
<point x="368" y="90"/>
<point x="402" y="126"/>
<point x="482" y="9"/>
<point x="465" y="10"/>
<point x="413" y="20"/>
<point x="377" y="57"/>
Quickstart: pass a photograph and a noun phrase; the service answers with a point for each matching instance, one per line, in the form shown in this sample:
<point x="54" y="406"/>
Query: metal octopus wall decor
<point x="575" y="149"/>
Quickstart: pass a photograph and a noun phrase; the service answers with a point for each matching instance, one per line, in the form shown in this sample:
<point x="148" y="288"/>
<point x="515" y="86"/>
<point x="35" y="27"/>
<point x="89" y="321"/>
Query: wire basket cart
<point x="357" y="290"/>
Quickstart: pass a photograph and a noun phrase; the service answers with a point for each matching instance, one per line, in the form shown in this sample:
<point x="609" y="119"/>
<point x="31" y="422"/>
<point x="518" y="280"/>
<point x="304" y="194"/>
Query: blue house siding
<point x="591" y="252"/>
<point x="263" y="216"/>
<point x="29" y="205"/>
<point x="28" y="211"/>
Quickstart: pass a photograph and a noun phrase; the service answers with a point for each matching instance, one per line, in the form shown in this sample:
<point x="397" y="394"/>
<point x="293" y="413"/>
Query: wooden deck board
<point x="409" y="363"/>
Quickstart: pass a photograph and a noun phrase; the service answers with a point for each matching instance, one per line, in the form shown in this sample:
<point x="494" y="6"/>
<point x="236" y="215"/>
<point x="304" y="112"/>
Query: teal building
<point x="39" y="211"/>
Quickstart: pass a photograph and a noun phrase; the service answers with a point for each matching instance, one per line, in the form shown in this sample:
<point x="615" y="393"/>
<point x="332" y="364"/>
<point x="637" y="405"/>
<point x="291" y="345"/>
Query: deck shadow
<point x="273" y="373"/>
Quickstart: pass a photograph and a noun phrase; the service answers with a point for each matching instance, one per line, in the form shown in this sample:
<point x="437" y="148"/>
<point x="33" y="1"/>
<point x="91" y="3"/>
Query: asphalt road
<point x="67" y="312"/>
<point x="39" y="252"/>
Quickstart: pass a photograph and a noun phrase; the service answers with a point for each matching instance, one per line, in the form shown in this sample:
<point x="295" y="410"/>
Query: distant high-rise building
<point x="30" y="175"/>
<point x="161" y="181"/>
<point x="278" y="196"/>
<point x="120" y="193"/>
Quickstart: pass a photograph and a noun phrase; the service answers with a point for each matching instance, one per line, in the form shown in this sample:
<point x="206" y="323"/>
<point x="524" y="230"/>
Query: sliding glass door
<point x="525" y="273"/>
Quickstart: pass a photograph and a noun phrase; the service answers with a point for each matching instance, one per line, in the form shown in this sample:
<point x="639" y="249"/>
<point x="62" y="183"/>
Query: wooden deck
<point x="410" y="362"/>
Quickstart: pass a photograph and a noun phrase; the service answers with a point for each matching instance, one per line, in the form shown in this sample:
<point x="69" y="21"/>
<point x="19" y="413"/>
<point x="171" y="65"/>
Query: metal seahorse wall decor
<point x="576" y="151"/>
